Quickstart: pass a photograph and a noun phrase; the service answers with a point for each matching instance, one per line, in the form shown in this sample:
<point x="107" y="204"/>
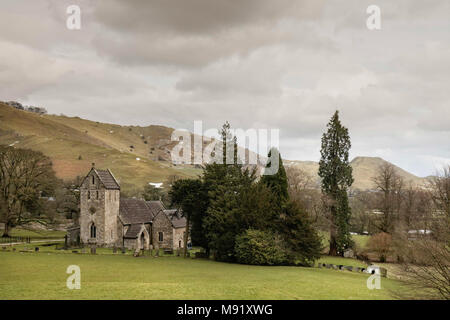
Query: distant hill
<point x="136" y="155"/>
<point x="364" y="169"/>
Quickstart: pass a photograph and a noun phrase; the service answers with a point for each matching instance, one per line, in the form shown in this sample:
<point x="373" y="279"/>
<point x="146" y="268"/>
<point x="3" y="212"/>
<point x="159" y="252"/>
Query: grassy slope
<point x="65" y="139"/>
<point x="43" y="276"/>
<point x="364" y="169"/>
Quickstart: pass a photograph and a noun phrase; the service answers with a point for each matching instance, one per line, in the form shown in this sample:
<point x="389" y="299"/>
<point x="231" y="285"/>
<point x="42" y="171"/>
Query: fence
<point x="27" y="239"/>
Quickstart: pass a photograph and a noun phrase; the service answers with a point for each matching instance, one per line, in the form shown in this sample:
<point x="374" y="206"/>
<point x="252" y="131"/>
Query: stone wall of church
<point x="161" y="223"/>
<point x="100" y="207"/>
<point x="178" y="238"/>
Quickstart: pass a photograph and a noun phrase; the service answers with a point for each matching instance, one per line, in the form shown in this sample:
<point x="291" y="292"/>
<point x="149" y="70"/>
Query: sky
<point x="259" y="64"/>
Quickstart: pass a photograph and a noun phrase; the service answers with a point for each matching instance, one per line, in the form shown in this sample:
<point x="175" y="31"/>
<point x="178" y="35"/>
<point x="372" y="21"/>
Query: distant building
<point x="107" y="220"/>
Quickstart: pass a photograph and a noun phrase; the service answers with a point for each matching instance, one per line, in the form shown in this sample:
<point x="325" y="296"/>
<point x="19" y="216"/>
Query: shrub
<point x="381" y="244"/>
<point x="259" y="248"/>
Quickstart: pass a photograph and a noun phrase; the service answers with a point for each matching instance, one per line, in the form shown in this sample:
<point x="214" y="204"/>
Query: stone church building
<point x="107" y="220"/>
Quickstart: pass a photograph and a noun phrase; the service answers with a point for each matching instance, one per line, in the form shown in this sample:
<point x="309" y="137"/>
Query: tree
<point x="190" y="196"/>
<point x="260" y="248"/>
<point x="277" y="182"/>
<point x="381" y="244"/>
<point x="336" y="174"/>
<point x="68" y="198"/>
<point x="440" y="193"/>
<point x="301" y="240"/>
<point x="390" y="185"/>
<point x="26" y="177"/>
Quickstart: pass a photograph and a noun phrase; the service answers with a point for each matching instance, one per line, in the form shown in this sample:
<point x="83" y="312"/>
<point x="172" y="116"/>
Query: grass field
<point x="105" y="276"/>
<point x="19" y="232"/>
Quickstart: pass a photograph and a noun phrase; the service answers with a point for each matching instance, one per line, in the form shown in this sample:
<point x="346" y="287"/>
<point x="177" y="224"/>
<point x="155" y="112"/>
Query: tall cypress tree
<point x="336" y="174"/>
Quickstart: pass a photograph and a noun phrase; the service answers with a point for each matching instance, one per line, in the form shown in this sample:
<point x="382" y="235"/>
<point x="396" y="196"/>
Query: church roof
<point x="176" y="217"/>
<point x="136" y="211"/>
<point x="107" y="179"/>
<point x="133" y="231"/>
<point x="156" y="206"/>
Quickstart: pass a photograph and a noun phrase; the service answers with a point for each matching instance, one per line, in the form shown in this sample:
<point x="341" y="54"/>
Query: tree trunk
<point x="6" y="231"/>
<point x="333" y="231"/>
<point x="186" y="235"/>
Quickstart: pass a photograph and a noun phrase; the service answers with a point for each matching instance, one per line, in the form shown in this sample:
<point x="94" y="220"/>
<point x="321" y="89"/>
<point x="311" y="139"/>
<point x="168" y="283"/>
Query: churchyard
<point x="29" y="274"/>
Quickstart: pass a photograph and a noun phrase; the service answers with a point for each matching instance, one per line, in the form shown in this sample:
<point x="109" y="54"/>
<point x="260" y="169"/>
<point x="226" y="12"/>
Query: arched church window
<point x="93" y="231"/>
<point x="160" y="236"/>
<point x="93" y="180"/>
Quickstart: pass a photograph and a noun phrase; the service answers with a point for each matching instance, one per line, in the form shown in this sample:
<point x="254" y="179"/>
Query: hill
<point x="364" y="170"/>
<point x="136" y="155"/>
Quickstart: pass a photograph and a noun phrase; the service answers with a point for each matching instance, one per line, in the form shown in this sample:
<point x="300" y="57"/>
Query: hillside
<point x="136" y="155"/>
<point x="364" y="169"/>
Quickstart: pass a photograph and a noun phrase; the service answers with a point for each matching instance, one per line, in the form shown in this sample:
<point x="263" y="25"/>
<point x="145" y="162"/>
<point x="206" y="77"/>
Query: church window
<point x="93" y="231"/>
<point x="160" y="237"/>
<point x="89" y="195"/>
<point x="93" y="180"/>
<point x="97" y="194"/>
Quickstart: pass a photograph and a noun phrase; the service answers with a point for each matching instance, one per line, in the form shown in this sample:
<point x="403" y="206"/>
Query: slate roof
<point x="136" y="211"/>
<point x="108" y="180"/>
<point x="176" y="217"/>
<point x="133" y="231"/>
<point x="156" y="206"/>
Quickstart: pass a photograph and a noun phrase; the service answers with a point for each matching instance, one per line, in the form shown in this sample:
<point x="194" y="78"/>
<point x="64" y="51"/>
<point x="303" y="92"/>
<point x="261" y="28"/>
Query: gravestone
<point x="357" y="269"/>
<point x="114" y="249"/>
<point x="124" y="250"/>
<point x="319" y="265"/>
<point x="36" y="249"/>
<point x="349" y="253"/>
<point x="335" y="267"/>
<point x="14" y="249"/>
<point x="93" y="250"/>
<point x="157" y="252"/>
<point x="349" y="268"/>
<point x="178" y="252"/>
<point x="83" y="250"/>
<point x="340" y="267"/>
<point x="383" y="272"/>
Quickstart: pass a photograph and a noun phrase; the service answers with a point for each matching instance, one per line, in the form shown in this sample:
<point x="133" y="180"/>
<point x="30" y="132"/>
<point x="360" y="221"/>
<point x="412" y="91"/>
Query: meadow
<point x="42" y="275"/>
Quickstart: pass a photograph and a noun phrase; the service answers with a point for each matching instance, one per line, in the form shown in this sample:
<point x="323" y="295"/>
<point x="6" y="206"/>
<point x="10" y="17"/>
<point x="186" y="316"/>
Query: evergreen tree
<point x="277" y="182"/>
<point x="190" y="195"/>
<point x="336" y="174"/>
<point x="302" y="242"/>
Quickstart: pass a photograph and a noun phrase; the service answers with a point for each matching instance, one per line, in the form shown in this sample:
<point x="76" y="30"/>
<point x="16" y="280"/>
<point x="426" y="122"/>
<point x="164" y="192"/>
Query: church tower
<point x="99" y="208"/>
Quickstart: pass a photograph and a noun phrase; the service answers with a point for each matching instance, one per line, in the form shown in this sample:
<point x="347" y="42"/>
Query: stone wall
<point x="161" y="223"/>
<point x="178" y="235"/>
<point x="101" y="207"/>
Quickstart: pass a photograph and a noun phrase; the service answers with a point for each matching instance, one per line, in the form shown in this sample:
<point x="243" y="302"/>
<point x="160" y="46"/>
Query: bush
<point x="259" y="248"/>
<point x="381" y="244"/>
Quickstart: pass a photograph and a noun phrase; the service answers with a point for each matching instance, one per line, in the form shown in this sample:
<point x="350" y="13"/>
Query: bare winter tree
<point x="440" y="192"/>
<point x="390" y="186"/>
<point x="426" y="257"/>
<point x="26" y="177"/>
<point x="304" y="191"/>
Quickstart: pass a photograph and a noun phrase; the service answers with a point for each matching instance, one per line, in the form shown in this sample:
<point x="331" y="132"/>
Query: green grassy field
<point x="19" y="232"/>
<point x="105" y="276"/>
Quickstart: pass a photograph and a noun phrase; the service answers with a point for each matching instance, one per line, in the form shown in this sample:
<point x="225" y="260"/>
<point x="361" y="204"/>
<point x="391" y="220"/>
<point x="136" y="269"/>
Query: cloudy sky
<point x="284" y="64"/>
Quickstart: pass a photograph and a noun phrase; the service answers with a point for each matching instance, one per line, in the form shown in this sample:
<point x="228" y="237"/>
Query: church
<point x="107" y="220"/>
